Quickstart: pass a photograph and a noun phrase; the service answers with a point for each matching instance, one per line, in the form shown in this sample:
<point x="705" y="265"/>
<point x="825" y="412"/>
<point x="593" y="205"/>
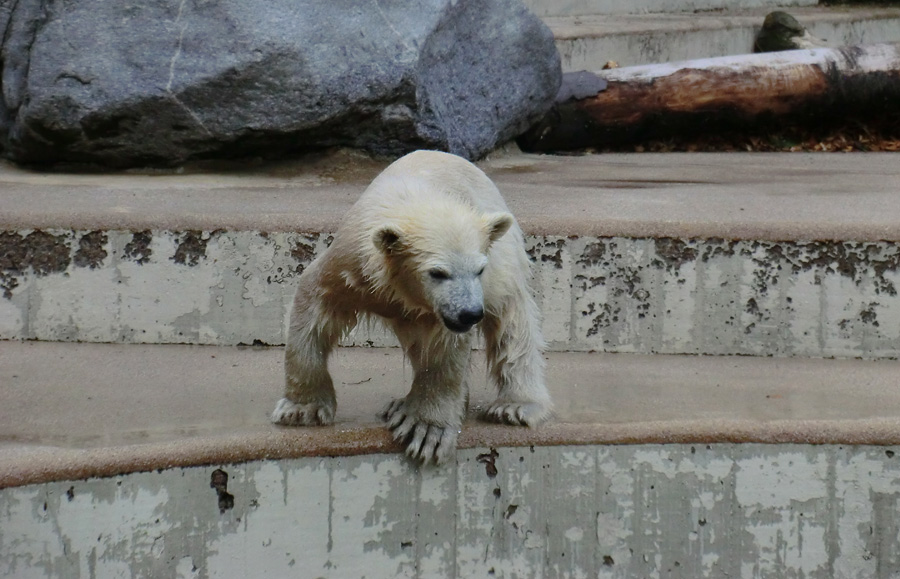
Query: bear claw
<point x="290" y="413"/>
<point x="518" y="413"/>
<point x="430" y="443"/>
<point x="392" y="413"/>
<point x="424" y="442"/>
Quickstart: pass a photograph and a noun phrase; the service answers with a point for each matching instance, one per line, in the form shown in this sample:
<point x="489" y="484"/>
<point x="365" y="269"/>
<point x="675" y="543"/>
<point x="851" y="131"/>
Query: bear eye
<point x="481" y="271"/>
<point x="438" y="274"/>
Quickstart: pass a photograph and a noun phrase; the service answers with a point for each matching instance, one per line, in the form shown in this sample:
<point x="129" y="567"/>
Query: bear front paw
<point x="518" y="413"/>
<point x="291" y="413"/>
<point x="425" y="442"/>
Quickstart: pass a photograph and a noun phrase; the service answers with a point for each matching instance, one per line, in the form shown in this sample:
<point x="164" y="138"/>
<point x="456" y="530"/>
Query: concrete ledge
<point x="544" y="8"/>
<point x="737" y="196"/>
<point x="77" y="411"/>
<point x="788" y="255"/>
<point x="586" y="42"/>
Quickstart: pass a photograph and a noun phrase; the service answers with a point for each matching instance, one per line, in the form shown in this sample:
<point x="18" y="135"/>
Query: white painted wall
<point x="608" y="511"/>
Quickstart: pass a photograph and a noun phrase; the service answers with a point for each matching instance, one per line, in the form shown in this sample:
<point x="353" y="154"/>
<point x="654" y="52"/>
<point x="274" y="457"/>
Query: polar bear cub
<point x="432" y="250"/>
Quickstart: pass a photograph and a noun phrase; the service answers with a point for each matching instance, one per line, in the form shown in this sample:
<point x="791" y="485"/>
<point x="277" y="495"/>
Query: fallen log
<point x="697" y="97"/>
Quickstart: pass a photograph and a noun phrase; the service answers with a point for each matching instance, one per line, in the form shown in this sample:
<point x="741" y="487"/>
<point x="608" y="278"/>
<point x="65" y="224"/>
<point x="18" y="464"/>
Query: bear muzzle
<point x="463" y="320"/>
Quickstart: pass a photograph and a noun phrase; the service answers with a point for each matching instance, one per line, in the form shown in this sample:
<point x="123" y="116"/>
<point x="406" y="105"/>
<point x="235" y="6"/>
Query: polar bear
<point x="431" y="249"/>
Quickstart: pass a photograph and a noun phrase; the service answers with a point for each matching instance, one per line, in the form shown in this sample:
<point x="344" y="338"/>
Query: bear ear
<point x="388" y="240"/>
<point x="497" y="224"/>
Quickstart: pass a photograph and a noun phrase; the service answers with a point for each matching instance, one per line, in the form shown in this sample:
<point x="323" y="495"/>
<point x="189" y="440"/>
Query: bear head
<point x="436" y="259"/>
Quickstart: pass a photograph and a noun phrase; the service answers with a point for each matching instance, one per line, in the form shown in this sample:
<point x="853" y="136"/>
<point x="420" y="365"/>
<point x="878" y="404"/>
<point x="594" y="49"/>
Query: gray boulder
<point x="159" y="82"/>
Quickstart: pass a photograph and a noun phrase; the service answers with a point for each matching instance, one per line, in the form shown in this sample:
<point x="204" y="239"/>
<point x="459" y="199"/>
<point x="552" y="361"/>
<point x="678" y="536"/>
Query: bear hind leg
<point x="309" y="396"/>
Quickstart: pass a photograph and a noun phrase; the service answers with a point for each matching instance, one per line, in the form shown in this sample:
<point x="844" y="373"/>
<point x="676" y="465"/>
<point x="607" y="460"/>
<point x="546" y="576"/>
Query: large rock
<point x="163" y="81"/>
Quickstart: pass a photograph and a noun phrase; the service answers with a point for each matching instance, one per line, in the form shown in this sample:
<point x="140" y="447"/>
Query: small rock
<point x="781" y="31"/>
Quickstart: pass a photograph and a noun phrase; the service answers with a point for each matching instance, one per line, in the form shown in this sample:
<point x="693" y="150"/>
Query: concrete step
<point x="752" y="254"/>
<point x="587" y="42"/>
<point x="544" y="8"/>
<point x="77" y="411"/>
<point x="157" y="461"/>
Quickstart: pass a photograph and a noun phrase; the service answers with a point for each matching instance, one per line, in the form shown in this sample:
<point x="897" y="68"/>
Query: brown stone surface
<point x="74" y="411"/>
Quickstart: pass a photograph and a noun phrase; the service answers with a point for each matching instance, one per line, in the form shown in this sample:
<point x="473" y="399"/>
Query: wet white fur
<point x="427" y="210"/>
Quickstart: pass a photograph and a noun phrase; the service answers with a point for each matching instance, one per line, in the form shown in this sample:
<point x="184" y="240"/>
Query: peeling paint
<point x="218" y="481"/>
<point x="665" y="295"/>
<point x="37" y="252"/>
<point x="736" y="297"/>
<point x="673" y="253"/>
<point x="303" y="249"/>
<point x="138" y="249"/>
<point x="91" y="250"/>
<point x="191" y="248"/>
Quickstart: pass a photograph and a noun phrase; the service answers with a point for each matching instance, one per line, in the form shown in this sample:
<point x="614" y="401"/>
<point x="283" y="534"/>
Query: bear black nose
<point x="470" y="317"/>
<point x="463" y="320"/>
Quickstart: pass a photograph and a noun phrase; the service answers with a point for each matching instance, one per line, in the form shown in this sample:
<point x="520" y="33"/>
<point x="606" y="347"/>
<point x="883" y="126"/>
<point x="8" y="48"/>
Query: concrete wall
<point x="582" y="7"/>
<point x="590" y="45"/>
<point x="606" y="294"/>
<point x="623" y="511"/>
